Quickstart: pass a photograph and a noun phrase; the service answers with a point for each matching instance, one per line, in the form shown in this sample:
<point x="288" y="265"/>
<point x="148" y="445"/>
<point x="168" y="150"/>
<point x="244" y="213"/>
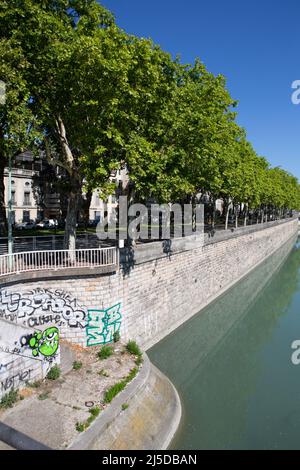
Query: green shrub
<point x="125" y="406"/>
<point x="131" y="375"/>
<point x="94" y="413"/>
<point x="116" y="336"/>
<point x="113" y="391"/>
<point x="133" y="348"/>
<point x="77" y="365"/>
<point x="103" y="373"/>
<point x="8" y="400"/>
<point x="80" y="427"/>
<point x="54" y="373"/>
<point x="118" y="387"/>
<point x="139" y="361"/>
<point x="105" y="352"/>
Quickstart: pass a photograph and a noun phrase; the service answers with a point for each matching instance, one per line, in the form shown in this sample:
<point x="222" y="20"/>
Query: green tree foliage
<point x="104" y="99"/>
<point x="18" y="125"/>
<point x="63" y="43"/>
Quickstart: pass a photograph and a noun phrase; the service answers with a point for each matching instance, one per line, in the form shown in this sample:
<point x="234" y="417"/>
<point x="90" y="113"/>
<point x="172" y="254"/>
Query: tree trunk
<point x="3" y="218"/>
<point x="245" y="215"/>
<point x="213" y="213"/>
<point x="75" y="193"/>
<point x="226" y="218"/>
<point x="224" y="208"/>
<point x="236" y="216"/>
<point x="71" y="220"/>
<point x="193" y="201"/>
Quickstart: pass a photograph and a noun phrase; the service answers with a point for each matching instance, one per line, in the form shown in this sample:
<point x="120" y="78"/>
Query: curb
<point x="177" y="414"/>
<point x="111" y="413"/>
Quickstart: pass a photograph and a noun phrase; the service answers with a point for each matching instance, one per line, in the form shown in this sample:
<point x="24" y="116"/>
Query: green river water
<point x="231" y="363"/>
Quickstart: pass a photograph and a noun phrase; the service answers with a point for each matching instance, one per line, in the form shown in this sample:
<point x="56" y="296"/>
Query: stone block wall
<point x="146" y="300"/>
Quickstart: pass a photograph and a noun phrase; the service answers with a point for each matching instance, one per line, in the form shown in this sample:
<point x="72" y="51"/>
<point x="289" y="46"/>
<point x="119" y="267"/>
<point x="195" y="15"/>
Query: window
<point x="13" y="198"/>
<point x="97" y="215"/>
<point x="26" y="199"/>
<point x="26" y="216"/>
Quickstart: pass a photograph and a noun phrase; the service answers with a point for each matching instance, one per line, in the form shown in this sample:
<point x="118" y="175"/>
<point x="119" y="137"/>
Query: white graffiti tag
<point x="41" y="306"/>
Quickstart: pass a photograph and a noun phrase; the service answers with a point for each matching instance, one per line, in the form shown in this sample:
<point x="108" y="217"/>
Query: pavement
<point x="50" y="412"/>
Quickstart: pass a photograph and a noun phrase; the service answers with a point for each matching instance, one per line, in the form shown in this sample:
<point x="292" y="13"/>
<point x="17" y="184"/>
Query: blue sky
<point x="255" y="44"/>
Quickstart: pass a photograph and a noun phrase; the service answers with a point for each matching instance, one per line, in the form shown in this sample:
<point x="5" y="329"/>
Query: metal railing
<point x="51" y="242"/>
<point x="57" y="260"/>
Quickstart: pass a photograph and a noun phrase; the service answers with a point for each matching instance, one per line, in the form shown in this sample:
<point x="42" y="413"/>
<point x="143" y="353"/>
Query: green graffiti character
<point x="45" y="342"/>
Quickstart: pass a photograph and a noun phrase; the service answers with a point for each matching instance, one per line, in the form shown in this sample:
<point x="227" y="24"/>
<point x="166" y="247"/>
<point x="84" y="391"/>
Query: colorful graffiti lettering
<point x="44" y="342"/>
<point x="102" y="325"/>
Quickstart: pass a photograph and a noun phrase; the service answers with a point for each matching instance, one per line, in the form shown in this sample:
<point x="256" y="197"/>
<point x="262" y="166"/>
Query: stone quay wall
<point x="156" y="289"/>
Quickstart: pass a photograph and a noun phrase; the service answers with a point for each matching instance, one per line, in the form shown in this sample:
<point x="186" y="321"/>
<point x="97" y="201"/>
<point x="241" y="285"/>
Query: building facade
<point x="25" y="208"/>
<point x="100" y="208"/>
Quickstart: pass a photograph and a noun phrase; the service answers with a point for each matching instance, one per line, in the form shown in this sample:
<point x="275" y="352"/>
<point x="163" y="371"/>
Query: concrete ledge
<point x="56" y="274"/>
<point x="150" y="421"/>
<point x="146" y="252"/>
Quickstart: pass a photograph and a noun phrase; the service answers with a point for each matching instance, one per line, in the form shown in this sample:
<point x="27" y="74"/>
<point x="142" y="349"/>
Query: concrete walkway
<point x="149" y="422"/>
<point x="49" y="413"/>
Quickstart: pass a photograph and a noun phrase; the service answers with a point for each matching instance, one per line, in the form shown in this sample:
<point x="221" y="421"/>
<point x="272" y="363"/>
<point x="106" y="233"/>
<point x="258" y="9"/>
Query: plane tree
<point x="18" y="125"/>
<point x="104" y="99"/>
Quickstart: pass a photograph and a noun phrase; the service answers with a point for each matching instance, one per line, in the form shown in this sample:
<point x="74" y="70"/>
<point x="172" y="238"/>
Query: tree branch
<point x="65" y="145"/>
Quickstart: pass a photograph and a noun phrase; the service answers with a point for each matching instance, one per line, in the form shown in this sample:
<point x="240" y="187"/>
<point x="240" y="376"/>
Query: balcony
<point x="21" y="172"/>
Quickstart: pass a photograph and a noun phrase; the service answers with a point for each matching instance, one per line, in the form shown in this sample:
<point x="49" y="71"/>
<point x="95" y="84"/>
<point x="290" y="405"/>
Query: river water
<point x="231" y="363"/>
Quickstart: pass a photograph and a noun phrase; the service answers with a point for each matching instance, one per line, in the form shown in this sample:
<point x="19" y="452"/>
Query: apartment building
<point x="100" y="208"/>
<point x="24" y="207"/>
<point x="26" y="172"/>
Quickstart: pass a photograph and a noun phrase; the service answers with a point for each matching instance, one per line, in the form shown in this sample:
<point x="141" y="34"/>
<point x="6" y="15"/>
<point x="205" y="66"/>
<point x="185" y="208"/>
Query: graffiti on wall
<point x="41" y="346"/>
<point x="102" y="325"/>
<point x="16" y="380"/>
<point x="43" y="343"/>
<point x="41" y="307"/>
<point x="45" y="312"/>
<point x="6" y="366"/>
